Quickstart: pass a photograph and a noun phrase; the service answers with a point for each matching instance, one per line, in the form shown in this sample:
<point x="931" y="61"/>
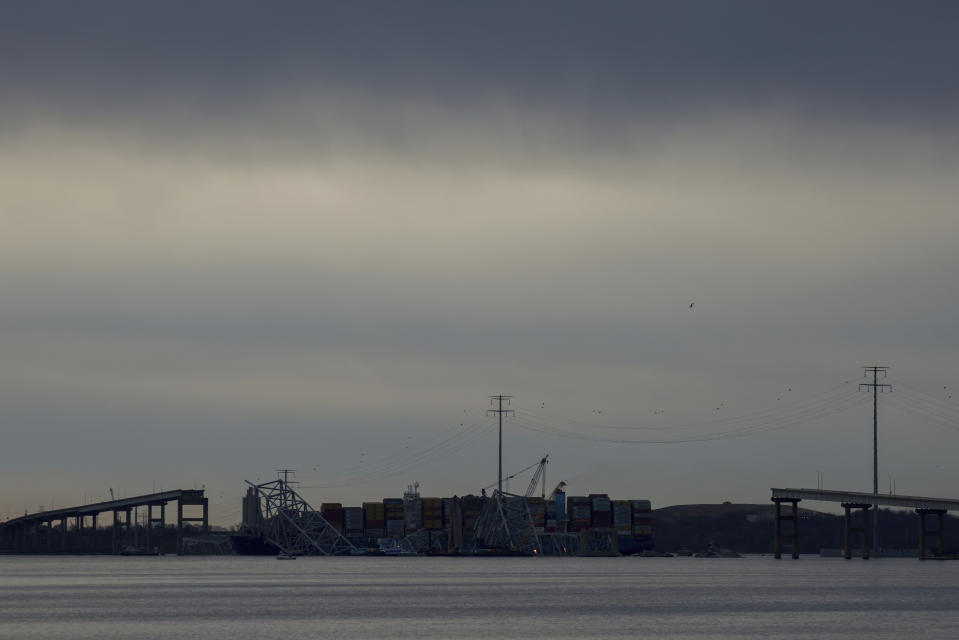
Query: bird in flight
<point x="691" y="304"/>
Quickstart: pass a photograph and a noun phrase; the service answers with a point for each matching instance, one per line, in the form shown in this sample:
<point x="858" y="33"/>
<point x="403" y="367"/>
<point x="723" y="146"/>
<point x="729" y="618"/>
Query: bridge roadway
<point x="910" y="502"/>
<point x="26" y="531"/>
<point x="864" y="501"/>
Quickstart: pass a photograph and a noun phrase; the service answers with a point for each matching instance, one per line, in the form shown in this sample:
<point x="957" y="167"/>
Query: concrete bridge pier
<point x="180" y="518"/>
<point x="793" y="533"/>
<point x="152" y="522"/>
<point x="118" y="526"/>
<point x="148" y="529"/>
<point x="850" y="529"/>
<point x="162" y="527"/>
<point x="924" y="533"/>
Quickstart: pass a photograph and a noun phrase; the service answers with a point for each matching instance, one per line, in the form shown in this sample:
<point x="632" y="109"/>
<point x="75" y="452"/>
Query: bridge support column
<point x="79" y="532"/>
<point x="162" y="526"/>
<point x="924" y="533"/>
<point x="93" y="544"/>
<point x="179" y="527"/>
<point x="63" y="533"/>
<point x="149" y="527"/>
<point x="850" y="529"/>
<point x="116" y="538"/>
<point x="130" y="524"/>
<point x="793" y="534"/>
<point x="180" y="518"/>
<point x="847" y="529"/>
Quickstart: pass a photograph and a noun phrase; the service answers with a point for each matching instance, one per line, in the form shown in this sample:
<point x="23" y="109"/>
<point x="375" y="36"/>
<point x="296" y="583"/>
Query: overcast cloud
<point x="239" y="237"/>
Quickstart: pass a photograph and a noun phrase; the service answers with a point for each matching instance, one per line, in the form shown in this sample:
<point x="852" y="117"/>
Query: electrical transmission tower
<point x="286" y="482"/>
<point x="876" y="387"/>
<point x="500" y="411"/>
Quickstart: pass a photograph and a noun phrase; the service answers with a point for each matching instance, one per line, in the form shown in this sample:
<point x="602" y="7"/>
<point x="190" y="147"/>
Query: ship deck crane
<point x="537" y="475"/>
<point x="559" y="487"/>
<point x="540" y="471"/>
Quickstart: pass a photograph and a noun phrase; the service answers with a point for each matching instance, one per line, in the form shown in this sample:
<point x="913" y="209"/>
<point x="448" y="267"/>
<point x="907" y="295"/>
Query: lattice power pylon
<point x="290" y="524"/>
<point x="505" y="523"/>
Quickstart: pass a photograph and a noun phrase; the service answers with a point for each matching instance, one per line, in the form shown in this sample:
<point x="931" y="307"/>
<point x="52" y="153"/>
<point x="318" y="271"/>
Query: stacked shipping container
<point x="353" y="521"/>
<point x="537" y="510"/>
<point x="394" y="517"/>
<point x="447" y="512"/>
<point x="375" y="521"/>
<point x="432" y="513"/>
<point x="623" y="518"/>
<point x="413" y="509"/>
<point x="578" y="508"/>
<point x="602" y="511"/>
<point x="332" y="512"/>
<point x="642" y="519"/>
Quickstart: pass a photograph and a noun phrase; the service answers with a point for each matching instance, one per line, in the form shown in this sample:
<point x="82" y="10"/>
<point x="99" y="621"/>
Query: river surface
<point x="72" y="597"/>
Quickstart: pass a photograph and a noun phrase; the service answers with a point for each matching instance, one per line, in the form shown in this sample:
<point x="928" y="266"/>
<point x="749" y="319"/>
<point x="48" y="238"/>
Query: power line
<point x="441" y="449"/>
<point x="798" y="415"/>
<point x="836" y="406"/>
<point x="771" y="414"/>
<point x="924" y="410"/>
<point x="389" y="459"/>
<point x="941" y="404"/>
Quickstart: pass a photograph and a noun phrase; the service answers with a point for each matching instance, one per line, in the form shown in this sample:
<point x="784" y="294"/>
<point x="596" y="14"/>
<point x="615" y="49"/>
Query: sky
<point x="239" y="237"/>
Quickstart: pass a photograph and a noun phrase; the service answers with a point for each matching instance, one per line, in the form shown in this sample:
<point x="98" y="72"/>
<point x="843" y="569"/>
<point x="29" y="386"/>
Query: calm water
<point x="65" y="598"/>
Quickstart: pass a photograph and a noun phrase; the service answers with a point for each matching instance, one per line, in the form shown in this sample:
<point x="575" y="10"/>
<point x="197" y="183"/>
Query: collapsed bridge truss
<point x="289" y="523"/>
<point x="506" y="524"/>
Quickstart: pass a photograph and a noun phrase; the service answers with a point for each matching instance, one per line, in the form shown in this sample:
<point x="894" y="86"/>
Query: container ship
<point x="448" y="525"/>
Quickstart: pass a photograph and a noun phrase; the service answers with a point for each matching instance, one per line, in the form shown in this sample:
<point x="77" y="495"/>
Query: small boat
<point x="285" y="556"/>
<point x="393" y="548"/>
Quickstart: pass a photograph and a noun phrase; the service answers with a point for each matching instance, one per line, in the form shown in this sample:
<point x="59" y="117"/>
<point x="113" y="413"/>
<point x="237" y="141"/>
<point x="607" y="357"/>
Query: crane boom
<point x="540" y="472"/>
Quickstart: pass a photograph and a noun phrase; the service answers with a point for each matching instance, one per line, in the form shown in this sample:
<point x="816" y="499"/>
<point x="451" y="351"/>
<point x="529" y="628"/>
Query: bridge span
<point x="854" y="500"/>
<point x="36" y="532"/>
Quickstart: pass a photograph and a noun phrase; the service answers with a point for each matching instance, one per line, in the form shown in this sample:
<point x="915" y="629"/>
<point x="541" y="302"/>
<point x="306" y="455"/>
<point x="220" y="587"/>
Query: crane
<point x="532" y="486"/>
<point x="540" y="472"/>
<point x="559" y="487"/>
